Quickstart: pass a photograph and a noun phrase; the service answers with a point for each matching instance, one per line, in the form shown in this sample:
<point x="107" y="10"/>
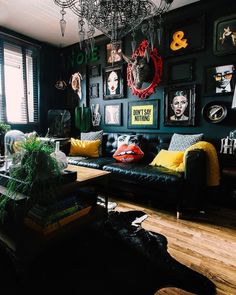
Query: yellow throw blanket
<point x="213" y="169"/>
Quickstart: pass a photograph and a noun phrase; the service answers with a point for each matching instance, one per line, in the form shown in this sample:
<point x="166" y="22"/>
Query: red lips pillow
<point x="128" y="153"/>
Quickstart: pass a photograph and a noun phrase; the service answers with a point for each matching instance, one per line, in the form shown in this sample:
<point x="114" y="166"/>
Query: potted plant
<point x="36" y="176"/>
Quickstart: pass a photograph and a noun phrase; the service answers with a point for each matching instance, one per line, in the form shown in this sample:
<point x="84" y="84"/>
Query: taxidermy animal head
<point x="142" y="69"/>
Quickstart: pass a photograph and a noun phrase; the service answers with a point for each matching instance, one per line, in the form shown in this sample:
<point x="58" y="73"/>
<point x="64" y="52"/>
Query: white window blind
<point x="19" y="84"/>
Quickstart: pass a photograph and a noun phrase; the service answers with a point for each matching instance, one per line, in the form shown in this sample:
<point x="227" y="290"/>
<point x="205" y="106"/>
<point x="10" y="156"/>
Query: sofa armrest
<point x="195" y="168"/>
<point x="195" y="181"/>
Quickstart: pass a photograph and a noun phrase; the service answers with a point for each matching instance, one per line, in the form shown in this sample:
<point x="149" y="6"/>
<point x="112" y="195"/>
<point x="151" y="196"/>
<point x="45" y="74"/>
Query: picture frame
<point x="186" y="36"/>
<point x="179" y="105"/>
<point x="94" y="71"/>
<point x="94" y="90"/>
<point x="114" y="53"/>
<point x="181" y="71"/>
<point x="113" y="82"/>
<point x="143" y="114"/>
<point x="224" y="41"/>
<point x="220" y="79"/>
<point x="113" y="114"/>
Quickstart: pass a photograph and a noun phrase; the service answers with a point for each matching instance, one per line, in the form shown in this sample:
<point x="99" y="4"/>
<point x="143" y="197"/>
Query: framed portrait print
<point x="143" y="114"/>
<point x="113" y="52"/>
<point x="181" y="71"/>
<point x="112" y="114"/>
<point x="113" y="82"/>
<point x="94" y="90"/>
<point x="180" y="106"/>
<point x="225" y="35"/>
<point x="220" y="79"/>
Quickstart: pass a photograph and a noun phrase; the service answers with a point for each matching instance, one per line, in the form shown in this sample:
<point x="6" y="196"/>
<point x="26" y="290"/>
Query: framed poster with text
<point x="143" y="114"/>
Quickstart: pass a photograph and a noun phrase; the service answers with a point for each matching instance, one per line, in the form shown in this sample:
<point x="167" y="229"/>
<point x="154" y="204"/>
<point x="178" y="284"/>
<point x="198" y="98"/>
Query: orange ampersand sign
<point x="178" y="41"/>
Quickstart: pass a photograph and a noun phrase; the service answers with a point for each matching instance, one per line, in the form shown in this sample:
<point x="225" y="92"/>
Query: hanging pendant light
<point x="60" y="83"/>
<point x="63" y="22"/>
<point x="114" y="18"/>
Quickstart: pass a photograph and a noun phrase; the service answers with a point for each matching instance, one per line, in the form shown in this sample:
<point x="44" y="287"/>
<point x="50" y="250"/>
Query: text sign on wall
<point x="143" y="114"/>
<point x="83" y="57"/>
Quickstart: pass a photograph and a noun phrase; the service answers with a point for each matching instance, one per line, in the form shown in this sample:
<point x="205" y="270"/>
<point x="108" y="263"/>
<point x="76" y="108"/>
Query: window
<point x="18" y="83"/>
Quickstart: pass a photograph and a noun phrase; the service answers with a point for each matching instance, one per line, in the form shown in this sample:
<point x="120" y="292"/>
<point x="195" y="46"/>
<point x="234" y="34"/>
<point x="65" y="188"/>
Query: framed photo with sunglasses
<point x="220" y="79"/>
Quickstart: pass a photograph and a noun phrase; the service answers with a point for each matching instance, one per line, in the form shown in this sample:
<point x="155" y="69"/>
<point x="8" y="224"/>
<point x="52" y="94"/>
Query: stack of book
<point x="47" y="219"/>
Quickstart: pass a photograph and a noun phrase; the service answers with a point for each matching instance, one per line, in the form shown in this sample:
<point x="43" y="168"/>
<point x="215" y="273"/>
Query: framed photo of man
<point x="113" y="51"/>
<point x="225" y="35"/>
<point x="220" y="79"/>
<point x="180" y="105"/>
<point x="113" y="82"/>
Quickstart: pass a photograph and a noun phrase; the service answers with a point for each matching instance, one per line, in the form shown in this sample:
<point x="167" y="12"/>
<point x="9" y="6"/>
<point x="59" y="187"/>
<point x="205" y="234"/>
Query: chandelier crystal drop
<point x="114" y="18"/>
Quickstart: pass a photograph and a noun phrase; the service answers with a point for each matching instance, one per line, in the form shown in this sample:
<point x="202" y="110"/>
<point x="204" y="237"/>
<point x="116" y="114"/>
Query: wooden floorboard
<point x="206" y="244"/>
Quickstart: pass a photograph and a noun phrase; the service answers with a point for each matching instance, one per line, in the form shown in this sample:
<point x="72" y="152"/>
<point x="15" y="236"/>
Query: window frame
<point x="35" y="50"/>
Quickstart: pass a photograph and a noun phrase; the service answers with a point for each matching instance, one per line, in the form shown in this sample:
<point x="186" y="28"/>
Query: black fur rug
<point x="110" y="258"/>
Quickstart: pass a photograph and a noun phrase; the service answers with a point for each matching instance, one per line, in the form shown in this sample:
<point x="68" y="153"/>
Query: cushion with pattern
<point x="93" y="135"/>
<point x="180" y="142"/>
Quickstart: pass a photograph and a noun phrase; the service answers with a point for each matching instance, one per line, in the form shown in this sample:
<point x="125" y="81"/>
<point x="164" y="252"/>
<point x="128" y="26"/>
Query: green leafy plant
<point x="4" y="128"/>
<point x="36" y="175"/>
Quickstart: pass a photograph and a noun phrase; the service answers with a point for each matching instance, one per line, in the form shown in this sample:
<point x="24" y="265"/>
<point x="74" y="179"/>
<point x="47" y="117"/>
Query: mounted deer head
<point x="145" y="65"/>
<point x="142" y="70"/>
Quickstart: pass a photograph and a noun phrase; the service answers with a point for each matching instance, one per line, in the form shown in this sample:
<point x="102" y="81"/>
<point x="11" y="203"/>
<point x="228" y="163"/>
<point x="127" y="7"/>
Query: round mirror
<point x="214" y="112"/>
<point x="144" y="70"/>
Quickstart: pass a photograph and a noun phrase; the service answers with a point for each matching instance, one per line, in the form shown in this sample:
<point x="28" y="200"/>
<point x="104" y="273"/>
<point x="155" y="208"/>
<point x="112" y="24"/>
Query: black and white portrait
<point x="180" y="105"/>
<point x="220" y="79"/>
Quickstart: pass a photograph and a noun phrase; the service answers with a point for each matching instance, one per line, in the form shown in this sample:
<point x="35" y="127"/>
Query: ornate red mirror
<point x="143" y="71"/>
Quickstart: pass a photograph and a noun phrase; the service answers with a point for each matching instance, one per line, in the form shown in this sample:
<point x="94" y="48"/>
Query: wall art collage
<point x="218" y="79"/>
<point x="181" y="91"/>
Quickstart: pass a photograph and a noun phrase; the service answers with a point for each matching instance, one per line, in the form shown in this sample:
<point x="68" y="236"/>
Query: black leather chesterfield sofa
<point x="141" y="181"/>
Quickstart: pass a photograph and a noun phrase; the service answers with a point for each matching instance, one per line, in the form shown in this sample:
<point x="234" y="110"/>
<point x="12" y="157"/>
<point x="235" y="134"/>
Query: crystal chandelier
<point x="115" y="18"/>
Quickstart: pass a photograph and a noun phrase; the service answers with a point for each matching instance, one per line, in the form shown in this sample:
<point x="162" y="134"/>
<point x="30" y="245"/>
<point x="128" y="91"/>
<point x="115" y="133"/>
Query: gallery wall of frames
<point x="193" y="68"/>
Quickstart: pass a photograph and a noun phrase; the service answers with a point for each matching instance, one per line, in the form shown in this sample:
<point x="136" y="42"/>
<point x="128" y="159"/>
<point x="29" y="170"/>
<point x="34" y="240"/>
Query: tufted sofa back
<point x="150" y="143"/>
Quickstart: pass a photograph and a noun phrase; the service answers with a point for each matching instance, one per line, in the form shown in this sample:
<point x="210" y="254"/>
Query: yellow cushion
<point x="169" y="159"/>
<point x="87" y="148"/>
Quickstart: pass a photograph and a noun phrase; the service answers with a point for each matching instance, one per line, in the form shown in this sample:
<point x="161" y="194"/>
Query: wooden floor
<point x="207" y="245"/>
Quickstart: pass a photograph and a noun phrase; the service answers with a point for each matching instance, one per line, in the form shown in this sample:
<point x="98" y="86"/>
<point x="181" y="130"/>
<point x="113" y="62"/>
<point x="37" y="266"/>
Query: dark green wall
<point x="212" y="10"/>
<point x="50" y="72"/>
<point x="49" y="98"/>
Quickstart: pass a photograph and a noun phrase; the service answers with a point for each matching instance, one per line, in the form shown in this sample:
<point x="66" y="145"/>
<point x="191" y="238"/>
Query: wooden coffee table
<point x="25" y="244"/>
<point x="90" y="176"/>
<point x="87" y="174"/>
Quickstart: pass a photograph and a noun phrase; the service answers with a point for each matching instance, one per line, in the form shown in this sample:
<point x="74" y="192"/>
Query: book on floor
<point x="53" y="226"/>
